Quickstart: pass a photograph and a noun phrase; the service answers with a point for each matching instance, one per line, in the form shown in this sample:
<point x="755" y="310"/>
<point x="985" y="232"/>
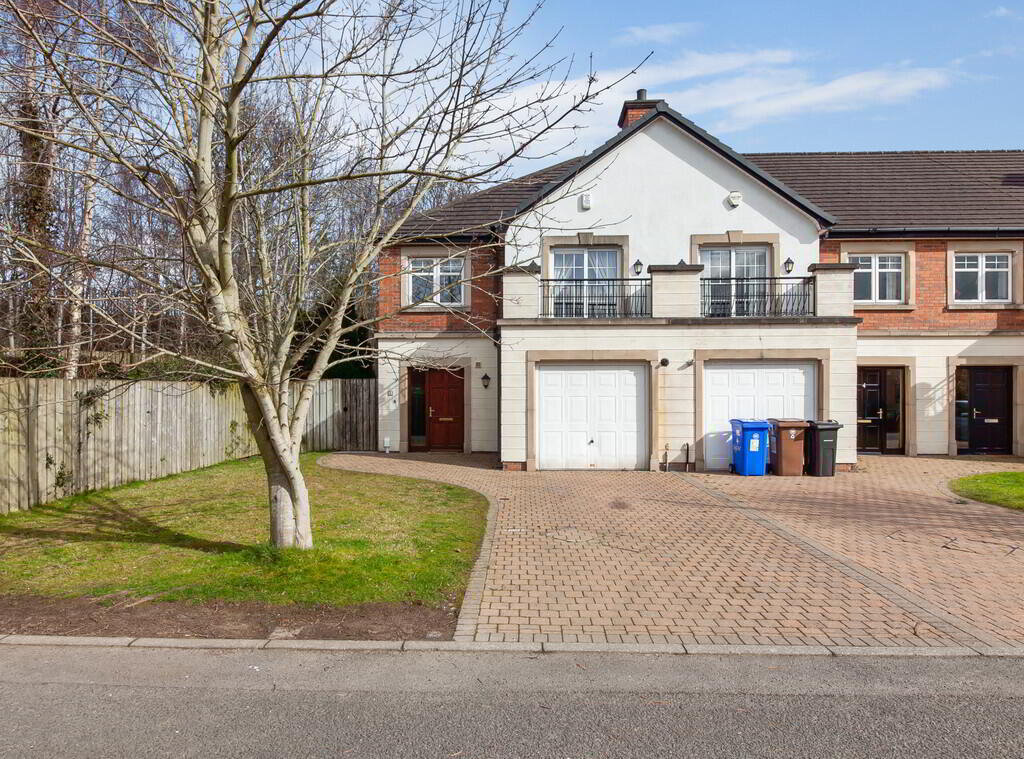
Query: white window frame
<point x="875" y="272"/>
<point x="585" y="251"/>
<point x="435" y="276"/>
<point x="981" y="268"/>
<point x="733" y="250"/>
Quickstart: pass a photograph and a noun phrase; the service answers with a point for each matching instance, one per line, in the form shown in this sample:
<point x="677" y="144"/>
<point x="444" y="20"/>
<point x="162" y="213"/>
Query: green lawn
<point x="1000" y="488"/>
<point x="203" y="535"/>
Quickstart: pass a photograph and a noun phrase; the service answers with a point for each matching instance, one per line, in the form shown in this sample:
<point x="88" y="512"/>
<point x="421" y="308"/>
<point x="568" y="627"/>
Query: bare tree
<point x="283" y="143"/>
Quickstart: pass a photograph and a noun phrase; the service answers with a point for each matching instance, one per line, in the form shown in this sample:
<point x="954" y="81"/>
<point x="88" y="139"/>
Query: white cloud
<point x="655" y="34"/>
<point x="852" y="92"/>
<point x="1001" y="11"/>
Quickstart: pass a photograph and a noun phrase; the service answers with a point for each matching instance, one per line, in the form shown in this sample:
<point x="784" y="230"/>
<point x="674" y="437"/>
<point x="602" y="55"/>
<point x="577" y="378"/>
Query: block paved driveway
<point x="886" y="556"/>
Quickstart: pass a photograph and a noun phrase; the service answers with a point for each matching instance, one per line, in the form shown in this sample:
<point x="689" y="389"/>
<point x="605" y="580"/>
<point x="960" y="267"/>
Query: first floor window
<point x="736" y="281"/>
<point x="878" y="278"/>
<point x="587" y="280"/>
<point x="983" y="277"/>
<point x="436" y="280"/>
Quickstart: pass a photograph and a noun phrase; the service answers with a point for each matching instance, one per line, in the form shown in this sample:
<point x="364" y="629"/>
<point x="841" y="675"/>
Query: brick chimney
<point x="634" y="110"/>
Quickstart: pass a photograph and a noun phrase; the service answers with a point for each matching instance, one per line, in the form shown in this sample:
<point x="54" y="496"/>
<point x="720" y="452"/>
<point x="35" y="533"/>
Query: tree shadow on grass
<point x="100" y="519"/>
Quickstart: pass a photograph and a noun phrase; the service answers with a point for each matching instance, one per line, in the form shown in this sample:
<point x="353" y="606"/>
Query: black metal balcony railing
<point x="595" y="298"/>
<point x="757" y="296"/>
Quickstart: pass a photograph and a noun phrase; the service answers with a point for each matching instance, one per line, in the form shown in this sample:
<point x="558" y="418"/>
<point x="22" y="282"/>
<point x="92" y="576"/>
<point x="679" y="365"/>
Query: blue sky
<point x="788" y="75"/>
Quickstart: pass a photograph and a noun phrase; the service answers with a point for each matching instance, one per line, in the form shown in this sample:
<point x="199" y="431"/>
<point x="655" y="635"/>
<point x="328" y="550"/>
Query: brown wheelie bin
<point x="786" y="453"/>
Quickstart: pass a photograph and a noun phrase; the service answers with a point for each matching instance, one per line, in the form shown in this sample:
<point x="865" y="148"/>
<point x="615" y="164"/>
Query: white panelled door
<point x="753" y="390"/>
<point x="592" y="416"/>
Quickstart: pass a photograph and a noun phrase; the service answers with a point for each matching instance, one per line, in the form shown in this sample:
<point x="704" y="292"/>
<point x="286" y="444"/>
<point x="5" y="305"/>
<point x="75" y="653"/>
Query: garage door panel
<point x="752" y="390"/>
<point x="602" y="422"/>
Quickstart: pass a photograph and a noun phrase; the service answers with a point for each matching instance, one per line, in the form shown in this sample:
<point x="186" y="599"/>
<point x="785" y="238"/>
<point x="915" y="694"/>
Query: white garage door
<point x="753" y="390"/>
<point x="592" y="416"/>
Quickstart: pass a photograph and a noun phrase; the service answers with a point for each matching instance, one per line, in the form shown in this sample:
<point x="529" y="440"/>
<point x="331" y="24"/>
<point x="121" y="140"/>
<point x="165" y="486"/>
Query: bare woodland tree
<point x="237" y="169"/>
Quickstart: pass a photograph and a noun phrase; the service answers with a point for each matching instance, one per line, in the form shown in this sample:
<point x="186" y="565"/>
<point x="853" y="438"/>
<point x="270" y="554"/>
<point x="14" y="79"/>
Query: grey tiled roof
<point x="473" y="214"/>
<point x="924" y="189"/>
<point x="888" y="190"/>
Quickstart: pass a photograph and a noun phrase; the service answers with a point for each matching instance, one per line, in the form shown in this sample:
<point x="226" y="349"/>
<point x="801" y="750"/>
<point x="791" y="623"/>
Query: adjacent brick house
<point x="615" y="310"/>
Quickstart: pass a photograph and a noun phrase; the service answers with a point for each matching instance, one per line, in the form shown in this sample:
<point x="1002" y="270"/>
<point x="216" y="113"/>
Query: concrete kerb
<point x="459" y="646"/>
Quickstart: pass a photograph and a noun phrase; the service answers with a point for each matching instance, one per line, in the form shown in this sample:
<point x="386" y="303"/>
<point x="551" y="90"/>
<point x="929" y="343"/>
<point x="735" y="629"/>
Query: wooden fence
<point x="61" y="437"/>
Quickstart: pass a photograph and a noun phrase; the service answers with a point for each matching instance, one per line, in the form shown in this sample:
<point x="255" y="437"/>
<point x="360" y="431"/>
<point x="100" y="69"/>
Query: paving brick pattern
<point x="645" y="557"/>
<point x="896" y="517"/>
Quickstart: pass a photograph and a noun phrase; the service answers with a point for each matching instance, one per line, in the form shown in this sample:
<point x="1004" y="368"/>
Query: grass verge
<point x="203" y="536"/>
<point x="999" y="488"/>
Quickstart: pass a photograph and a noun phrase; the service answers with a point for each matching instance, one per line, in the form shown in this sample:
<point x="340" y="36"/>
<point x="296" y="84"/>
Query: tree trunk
<point x="74" y="355"/>
<point x="287" y="494"/>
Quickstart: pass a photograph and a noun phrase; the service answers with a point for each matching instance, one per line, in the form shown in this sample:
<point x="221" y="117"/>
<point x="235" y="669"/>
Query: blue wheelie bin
<point x="750" y="446"/>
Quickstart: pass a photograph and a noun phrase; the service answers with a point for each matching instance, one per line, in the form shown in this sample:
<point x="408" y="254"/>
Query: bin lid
<point x="751" y="424"/>
<point x="787" y="423"/>
<point x="830" y="424"/>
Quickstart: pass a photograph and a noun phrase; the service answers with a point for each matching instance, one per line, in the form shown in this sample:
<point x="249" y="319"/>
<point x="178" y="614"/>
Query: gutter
<point x="873" y="231"/>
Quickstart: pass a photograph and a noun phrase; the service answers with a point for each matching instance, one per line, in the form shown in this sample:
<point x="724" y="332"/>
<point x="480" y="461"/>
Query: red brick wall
<point x="931" y="311"/>
<point x="483" y="300"/>
<point x="635" y="113"/>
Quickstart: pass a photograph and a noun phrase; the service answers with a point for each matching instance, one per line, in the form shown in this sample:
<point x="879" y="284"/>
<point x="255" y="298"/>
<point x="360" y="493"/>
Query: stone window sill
<point x="434" y="309"/>
<point x="883" y="306"/>
<point x="985" y="306"/>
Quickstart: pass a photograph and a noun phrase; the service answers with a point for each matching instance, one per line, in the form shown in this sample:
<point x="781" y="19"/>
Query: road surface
<point x="94" y="702"/>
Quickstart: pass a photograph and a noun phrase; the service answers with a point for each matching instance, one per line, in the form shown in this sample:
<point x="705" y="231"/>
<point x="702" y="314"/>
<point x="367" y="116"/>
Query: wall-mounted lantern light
<point x="638" y="267"/>
<point x="788" y="265"/>
<point x="486" y="381"/>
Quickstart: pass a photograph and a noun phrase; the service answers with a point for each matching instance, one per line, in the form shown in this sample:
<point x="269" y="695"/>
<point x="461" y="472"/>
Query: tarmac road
<point x="96" y="702"/>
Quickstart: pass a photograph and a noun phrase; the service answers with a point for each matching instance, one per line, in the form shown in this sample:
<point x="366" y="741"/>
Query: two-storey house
<point x="614" y="311"/>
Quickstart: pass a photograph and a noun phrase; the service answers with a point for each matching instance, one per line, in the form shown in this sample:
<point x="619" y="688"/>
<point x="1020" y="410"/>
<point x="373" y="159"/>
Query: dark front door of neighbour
<point x="880" y="409"/>
<point x="986" y="413"/>
<point x="445" y="413"/>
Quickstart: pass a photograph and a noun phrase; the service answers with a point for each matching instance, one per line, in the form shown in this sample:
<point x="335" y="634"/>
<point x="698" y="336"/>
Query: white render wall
<point x="660" y="187"/>
<point x="484" y="403"/>
<point x="677" y="406"/>
<point x="933" y="381"/>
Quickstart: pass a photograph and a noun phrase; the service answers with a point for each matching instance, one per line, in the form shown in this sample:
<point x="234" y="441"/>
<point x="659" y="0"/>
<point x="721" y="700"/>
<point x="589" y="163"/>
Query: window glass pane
<point x="751" y="262"/>
<point x="965" y="262"/>
<point x="716" y="263"/>
<point x="997" y="261"/>
<point x="997" y="285"/>
<point x="569" y="265"/>
<point x="421" y="286"/>
<point x="890" y="262"/>
<point x="862" y="285"/>
<point x="889" y="285"/>
<point x="602" y="264"/>
<point x="451" y="266"/>
<point x="452" y="292"/>
<point x="965" y="285"/>
<point x="861" y="262"/>
<point x="419" y="264"/>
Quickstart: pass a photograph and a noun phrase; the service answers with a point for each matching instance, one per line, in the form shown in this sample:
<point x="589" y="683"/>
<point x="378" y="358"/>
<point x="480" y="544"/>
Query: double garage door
<point x="753" y="390"/>
<point x="592" y="416"/>
<point x="595" y="416"/>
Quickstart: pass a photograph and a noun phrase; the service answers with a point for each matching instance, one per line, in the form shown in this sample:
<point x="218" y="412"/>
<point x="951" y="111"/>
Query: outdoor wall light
<point x="486" y="381"/>
<point x="664" y="362"/>
<point x="788" y="265"/>
<point x="638" y="267"/>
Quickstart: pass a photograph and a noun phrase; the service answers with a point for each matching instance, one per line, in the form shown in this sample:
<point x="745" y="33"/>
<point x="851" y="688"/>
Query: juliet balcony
<point x="757" y="297"/>
<point x="595" y="298"/>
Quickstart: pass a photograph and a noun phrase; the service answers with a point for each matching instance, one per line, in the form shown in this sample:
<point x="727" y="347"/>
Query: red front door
<point x="445" y="422"/>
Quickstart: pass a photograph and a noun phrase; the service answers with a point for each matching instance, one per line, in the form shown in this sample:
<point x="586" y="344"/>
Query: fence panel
<point x="61" y="437"/>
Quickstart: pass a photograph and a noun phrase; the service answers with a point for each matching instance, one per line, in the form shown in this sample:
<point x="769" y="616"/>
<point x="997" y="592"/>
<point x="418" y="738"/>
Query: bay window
<point x="878" y="278"/>
<point x="981" y="278"/>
